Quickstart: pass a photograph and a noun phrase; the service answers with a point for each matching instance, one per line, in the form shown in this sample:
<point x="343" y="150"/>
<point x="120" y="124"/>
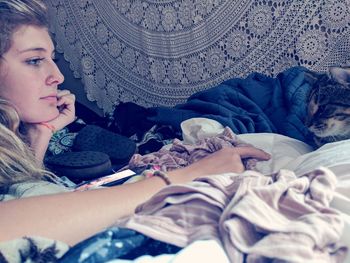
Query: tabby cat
<point x="328" y="116"/>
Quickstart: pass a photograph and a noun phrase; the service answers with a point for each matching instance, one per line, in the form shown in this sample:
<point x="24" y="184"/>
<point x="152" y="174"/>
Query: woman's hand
<point x="39" y="134"/>
<point x="66" y="108"/>
<point x="225" y="160"/>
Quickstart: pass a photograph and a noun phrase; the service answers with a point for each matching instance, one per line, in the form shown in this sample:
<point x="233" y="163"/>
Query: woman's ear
<point x="341" y="75"/>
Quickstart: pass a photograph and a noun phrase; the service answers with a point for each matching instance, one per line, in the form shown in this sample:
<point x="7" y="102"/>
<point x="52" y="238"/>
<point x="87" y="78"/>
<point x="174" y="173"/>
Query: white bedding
<point x="291" y="154"/>
<point x="287" y="153"/>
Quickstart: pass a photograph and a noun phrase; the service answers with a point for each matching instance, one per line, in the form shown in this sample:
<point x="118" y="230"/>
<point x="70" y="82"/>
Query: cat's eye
<point x="341" y="116"/>
<point x="325" y="112"/>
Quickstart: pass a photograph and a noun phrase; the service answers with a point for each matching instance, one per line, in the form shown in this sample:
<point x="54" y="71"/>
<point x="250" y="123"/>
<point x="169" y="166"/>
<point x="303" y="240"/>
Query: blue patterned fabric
<point x="116" y="243"/>
<point x="61" y="141"/>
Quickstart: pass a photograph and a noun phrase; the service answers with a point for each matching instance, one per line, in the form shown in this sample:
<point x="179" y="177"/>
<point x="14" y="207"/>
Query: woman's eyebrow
<point x="39" y="49"/>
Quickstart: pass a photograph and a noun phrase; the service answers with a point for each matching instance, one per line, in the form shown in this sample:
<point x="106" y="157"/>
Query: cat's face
<point x="328" y="116"/>
<point x="327" y="119"/>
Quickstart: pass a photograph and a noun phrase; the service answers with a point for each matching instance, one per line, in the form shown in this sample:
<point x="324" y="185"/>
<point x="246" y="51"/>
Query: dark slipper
<point x="94" y="138"/>
<point x="80" y="166"/>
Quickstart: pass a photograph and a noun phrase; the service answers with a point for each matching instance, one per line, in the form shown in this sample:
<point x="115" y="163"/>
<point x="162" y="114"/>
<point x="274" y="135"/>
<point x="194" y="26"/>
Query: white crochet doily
<point x="159" y="52"/>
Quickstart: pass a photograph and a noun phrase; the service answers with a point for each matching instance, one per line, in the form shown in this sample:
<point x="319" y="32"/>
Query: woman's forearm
<point x="39" y="138"/>
<point x="74" y="216"/>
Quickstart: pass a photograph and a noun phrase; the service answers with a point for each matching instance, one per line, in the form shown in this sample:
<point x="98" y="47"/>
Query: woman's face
<point x="28" y="75"/>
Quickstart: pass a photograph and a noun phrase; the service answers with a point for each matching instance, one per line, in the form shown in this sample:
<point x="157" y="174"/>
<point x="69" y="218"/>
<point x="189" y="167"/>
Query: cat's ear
<point x="341" y="75"/>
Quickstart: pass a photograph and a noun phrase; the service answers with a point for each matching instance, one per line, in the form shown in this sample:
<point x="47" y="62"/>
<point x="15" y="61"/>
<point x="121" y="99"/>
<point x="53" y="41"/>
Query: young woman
<point x="29" y="75"/>
<point x="30" y="107"/>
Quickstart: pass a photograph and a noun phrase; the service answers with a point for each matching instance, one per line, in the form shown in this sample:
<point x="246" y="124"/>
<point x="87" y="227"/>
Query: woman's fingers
<point x="65" y="97"/>
<point x="252" y="152"/>
<point x="228" y="159"/>
<point x="66" y="107"/>
<point x="66" y="103"/>
<point x="63" y="92"/>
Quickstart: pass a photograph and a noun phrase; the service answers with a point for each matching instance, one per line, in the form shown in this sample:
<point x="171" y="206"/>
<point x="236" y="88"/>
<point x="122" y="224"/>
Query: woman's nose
<point x="55" y="76"/>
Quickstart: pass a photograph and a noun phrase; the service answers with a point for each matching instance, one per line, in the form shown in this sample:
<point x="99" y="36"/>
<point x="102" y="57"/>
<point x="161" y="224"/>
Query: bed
<point x="237" y="218"/>
<point x="293" y="208"/>
<point x="156" y="234"/>
<point x="233" y="217"/>
<point x="226" y="215"/>
<point x="317" y="181"/>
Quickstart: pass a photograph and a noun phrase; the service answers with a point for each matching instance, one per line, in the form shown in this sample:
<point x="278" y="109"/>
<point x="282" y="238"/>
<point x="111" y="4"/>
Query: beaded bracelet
<point x="49" y="126"/>
<point x="156" y="172"/>
<point x="162" y="175"/>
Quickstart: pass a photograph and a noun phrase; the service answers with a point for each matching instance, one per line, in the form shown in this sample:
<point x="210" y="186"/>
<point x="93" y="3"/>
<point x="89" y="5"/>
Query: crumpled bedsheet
<point x="255" y="217"/>
<point x="181" y="154"/>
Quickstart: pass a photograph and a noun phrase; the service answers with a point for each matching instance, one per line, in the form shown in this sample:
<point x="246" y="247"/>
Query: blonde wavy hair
<point x="17" y="160"/>
<point x="15" y="13"/>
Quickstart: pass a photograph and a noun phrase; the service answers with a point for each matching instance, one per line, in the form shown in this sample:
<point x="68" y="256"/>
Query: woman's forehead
<point x="31" y="38"/>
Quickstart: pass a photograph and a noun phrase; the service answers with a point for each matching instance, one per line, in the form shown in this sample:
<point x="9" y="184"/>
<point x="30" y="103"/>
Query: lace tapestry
<point x="159" y="52"/>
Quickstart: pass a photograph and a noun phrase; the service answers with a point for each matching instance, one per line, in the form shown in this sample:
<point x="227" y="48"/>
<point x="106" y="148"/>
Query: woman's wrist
<point x="181" y="176"/>
<point x="39" y="137"/>
<point x="50" y="127"/>
<point x="155" y="171"/>
<point x="178" y="176"/>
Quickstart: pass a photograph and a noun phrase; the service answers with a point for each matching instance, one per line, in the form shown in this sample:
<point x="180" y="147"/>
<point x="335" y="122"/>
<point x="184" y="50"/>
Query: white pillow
<point x="283" y="150"/>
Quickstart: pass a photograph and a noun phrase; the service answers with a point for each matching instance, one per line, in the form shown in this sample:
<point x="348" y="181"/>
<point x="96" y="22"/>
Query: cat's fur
<point x="328" y="104"/>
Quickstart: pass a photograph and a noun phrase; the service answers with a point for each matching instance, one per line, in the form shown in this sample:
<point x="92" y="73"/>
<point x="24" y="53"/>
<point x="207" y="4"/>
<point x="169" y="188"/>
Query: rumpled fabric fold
<point x="256" y="218"/>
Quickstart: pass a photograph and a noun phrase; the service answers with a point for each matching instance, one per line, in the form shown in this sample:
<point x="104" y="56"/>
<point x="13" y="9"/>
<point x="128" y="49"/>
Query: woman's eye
<point x="34" y="61"/>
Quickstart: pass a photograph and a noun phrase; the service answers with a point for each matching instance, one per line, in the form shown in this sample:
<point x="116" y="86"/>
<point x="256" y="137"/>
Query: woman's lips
<point x="51" y="98"/>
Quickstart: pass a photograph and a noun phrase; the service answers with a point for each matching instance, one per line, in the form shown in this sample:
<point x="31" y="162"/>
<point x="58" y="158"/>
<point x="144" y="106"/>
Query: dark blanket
<point x="257" y="103"/>
<point x="115" y="243"/>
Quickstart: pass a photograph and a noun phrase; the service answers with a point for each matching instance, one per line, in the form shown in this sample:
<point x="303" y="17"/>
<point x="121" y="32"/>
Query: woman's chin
<point x="52" y="116"/>
<point x="47" y="117"/>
